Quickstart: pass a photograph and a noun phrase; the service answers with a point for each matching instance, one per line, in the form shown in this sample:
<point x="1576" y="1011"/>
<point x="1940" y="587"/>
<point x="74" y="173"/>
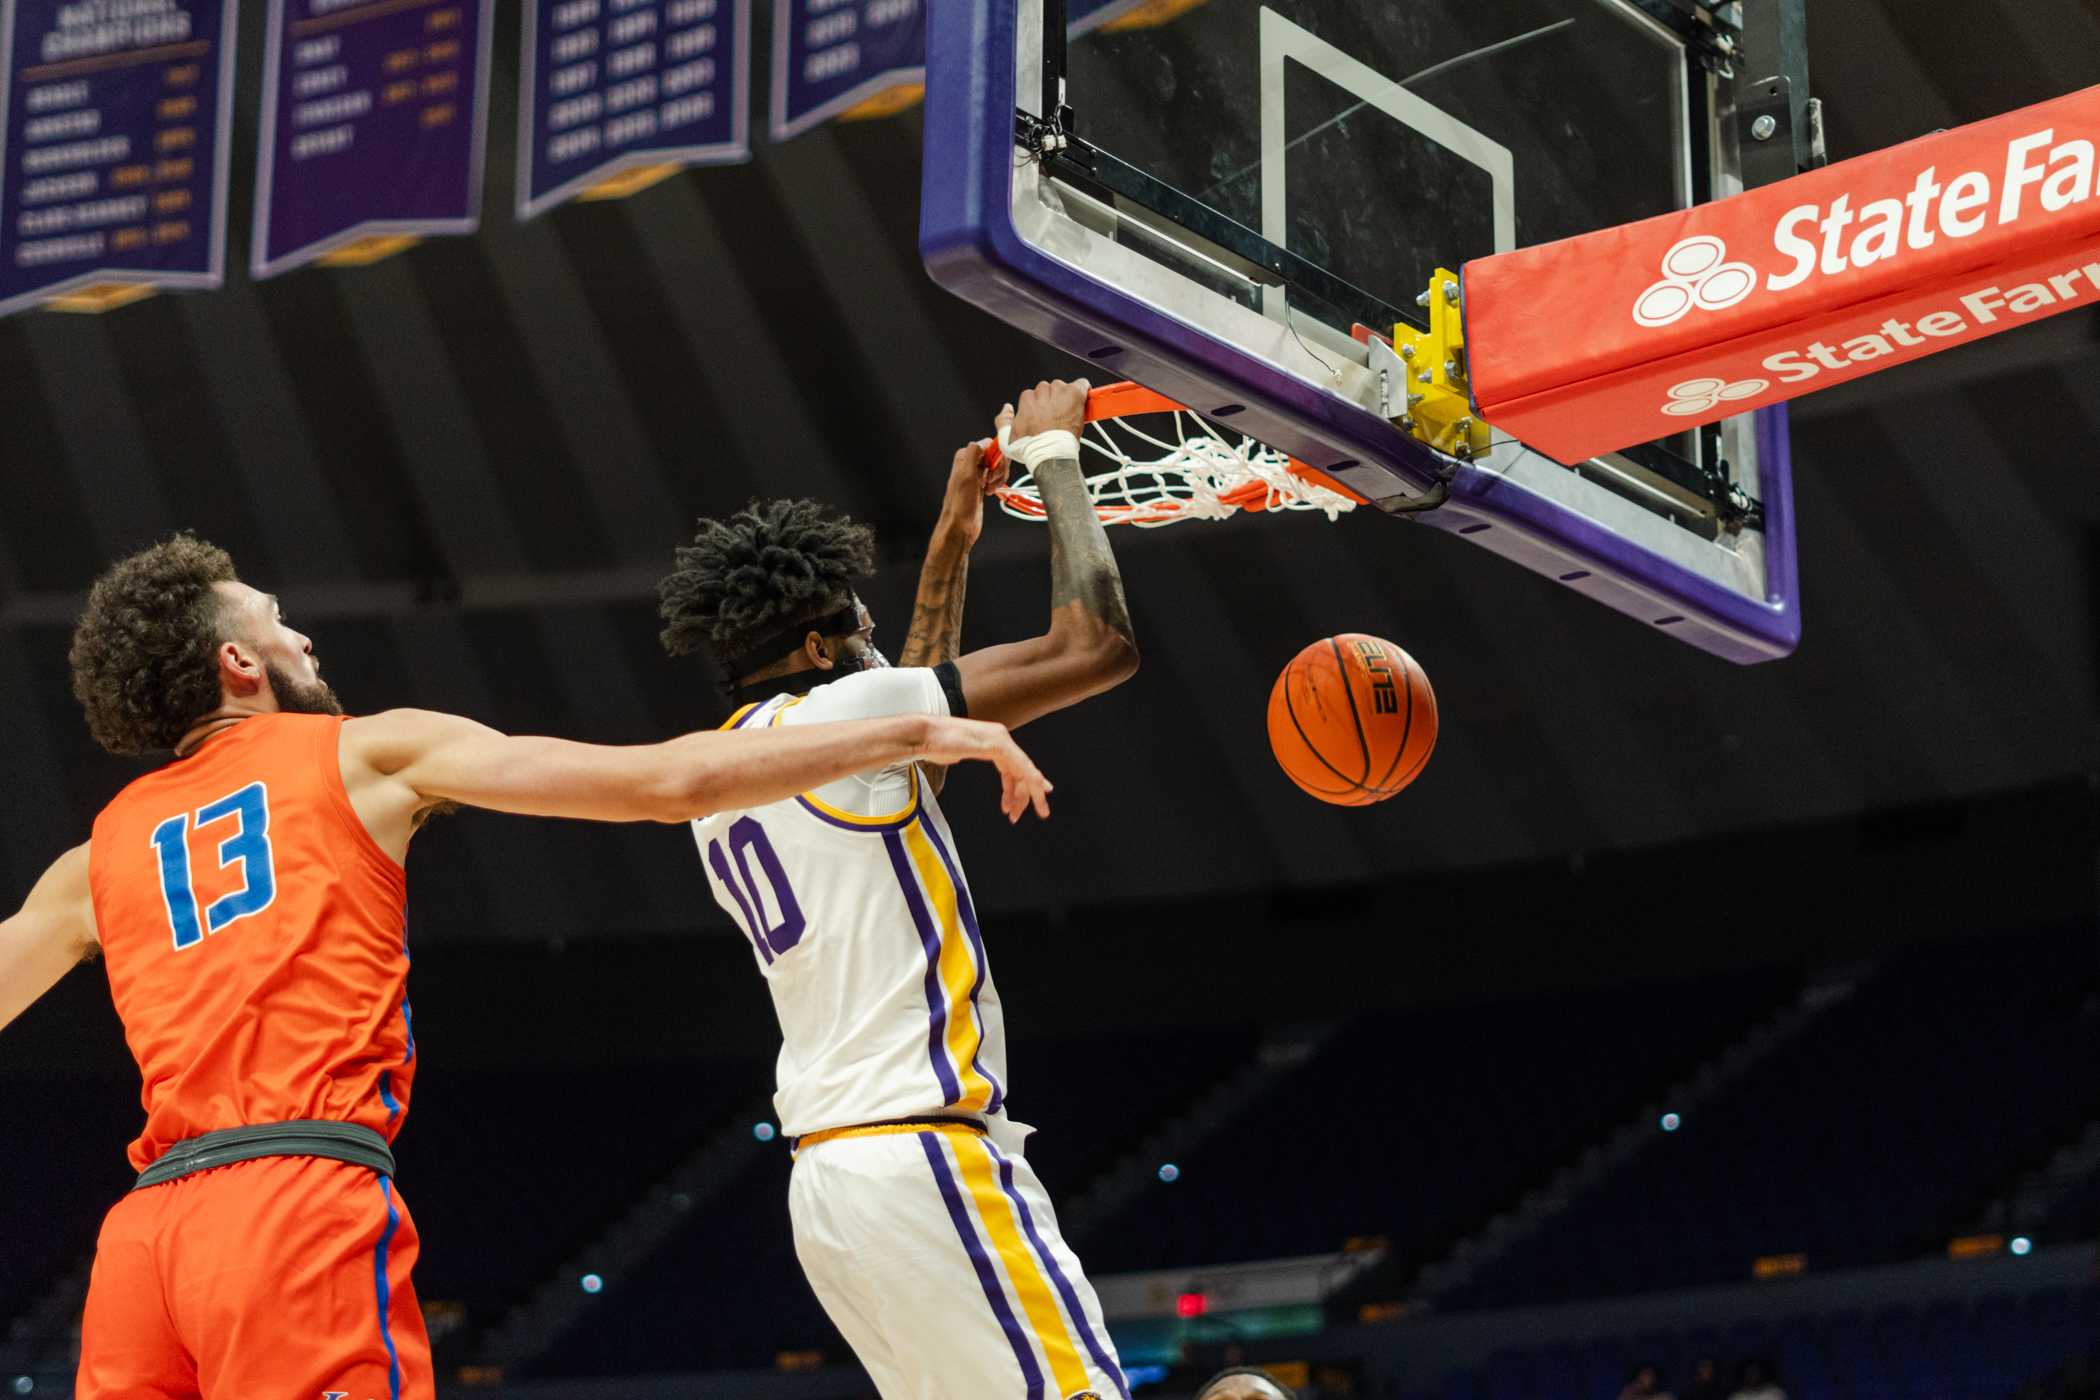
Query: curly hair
<point x="770" y="565"/>
<point x="142" y="653"/>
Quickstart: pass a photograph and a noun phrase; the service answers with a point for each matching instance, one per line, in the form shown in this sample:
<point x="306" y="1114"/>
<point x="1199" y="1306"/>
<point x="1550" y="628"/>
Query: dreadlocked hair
<point x="772" y="564"/>
<point x="143" y="652"/>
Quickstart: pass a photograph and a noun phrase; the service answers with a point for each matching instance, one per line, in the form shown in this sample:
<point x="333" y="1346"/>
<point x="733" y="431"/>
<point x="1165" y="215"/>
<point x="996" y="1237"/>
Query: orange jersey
<point x="255" y="939"/>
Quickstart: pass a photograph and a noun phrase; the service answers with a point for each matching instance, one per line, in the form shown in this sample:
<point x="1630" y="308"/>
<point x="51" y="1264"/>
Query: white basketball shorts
<point x="939" y="1258"/>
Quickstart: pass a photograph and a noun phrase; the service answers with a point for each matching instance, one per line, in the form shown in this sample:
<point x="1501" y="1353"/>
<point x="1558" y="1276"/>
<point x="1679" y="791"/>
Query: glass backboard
<point x="1222" y="199"/>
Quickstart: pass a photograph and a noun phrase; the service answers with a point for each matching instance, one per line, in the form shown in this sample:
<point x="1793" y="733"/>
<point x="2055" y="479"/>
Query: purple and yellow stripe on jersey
<point x="746" y="713"/>
<point x="852" y="821"/>
<point x="967" y="913"/>
<point x="1014" y="1265"/>
<point x="816" y="806"/>
<point x="955" y="964"/>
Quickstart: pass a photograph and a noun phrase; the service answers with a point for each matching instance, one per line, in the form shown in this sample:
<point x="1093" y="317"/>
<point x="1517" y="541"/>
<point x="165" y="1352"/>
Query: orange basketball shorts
<point x="283" y="1278"/>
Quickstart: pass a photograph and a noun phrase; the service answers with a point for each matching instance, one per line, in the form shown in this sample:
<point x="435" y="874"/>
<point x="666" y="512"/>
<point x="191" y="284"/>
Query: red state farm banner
<point x="1637" y="332"/>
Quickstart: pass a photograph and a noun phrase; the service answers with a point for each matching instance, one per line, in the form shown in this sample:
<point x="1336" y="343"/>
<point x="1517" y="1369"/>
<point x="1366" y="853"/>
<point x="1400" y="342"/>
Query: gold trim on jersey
<point x="855" y="819"/>
<point x="841" y="817"/>
<point x="868" y="1130"/>
<point x="744" y="712"/>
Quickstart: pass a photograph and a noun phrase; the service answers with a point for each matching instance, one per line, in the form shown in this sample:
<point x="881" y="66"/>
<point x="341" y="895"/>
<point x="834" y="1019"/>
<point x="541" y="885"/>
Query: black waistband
<point x="337" y="1142"/>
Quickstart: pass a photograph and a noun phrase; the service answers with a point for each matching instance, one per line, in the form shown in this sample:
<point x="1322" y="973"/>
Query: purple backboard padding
<point x="972" y="249"/>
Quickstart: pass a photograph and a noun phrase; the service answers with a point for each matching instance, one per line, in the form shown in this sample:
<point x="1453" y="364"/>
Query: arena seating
<point x="1092" y="1098"/>
<point x="487" y="1165"/>
<point x="723" y="1293"/>
<point x="2077" y="1215"/>
<point x="1969" y="1060"/>
<point x="1878" y="1134"/>
<point x="67" y="1136"/>
<point x="510" y="1172"/>
<point x="1956" y="1350"/>
<point x="1419" y="1125"/>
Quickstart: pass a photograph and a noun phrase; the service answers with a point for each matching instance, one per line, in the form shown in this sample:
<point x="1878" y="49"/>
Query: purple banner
<point x="374" y="119"/>
<point x="830" y="56"/>
<point x="114" y="123"/>
<point x="611" y="86"/>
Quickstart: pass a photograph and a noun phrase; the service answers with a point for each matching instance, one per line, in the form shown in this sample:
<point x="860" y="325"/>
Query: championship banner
<point x="115" y="117"/>
<point x="1637" y="332"/>
<point x="855" y="59"/>
<point x="850" y="58"/>
<point x="618" y="94"/>
<point x="374" y="115"/>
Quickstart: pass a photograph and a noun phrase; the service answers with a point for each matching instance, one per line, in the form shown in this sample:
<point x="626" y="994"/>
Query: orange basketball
<point x="1352" y="720"/>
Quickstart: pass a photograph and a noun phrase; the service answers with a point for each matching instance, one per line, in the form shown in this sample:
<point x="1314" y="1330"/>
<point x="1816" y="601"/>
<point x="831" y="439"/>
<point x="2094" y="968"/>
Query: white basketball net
<point x="1196" y="476"/>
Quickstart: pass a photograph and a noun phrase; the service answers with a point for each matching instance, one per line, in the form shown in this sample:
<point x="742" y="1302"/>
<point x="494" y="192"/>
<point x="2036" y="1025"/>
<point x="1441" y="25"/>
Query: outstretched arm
<point x="936" y="619"/>
<point x="54" y="931"/>
<point x="1089" y="646"/>
<point x="403" y="762"/>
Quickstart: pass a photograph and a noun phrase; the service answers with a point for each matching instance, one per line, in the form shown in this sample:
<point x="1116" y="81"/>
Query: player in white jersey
<point x="917" y="1219"/>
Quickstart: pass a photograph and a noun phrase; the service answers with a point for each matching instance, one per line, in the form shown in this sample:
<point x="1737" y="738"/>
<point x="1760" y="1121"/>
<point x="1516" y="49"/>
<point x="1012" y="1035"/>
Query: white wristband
<point x="1051" y="445"/>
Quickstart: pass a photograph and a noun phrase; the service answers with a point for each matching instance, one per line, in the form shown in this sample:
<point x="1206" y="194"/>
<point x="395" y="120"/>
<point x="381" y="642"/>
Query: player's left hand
<point x="969" y="482"/>
<point x="1023" y="787"/>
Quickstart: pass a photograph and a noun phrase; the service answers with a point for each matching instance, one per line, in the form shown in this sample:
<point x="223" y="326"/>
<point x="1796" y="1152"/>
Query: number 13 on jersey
<point x="248" y="846"/>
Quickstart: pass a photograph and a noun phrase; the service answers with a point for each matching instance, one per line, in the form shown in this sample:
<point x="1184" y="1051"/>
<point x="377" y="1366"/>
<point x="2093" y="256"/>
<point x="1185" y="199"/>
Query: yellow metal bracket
<point x="1434" y="404"/>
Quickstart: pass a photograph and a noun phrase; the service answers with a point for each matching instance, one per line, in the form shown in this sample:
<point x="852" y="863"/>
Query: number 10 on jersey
<point x="771" y="936"/>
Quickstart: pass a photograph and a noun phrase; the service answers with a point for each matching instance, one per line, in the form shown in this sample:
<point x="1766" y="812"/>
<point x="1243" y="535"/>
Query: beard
<point x="301" y="697"/>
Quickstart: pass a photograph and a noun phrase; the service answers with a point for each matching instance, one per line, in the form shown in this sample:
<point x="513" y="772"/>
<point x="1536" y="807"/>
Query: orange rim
<point x="1132" y="400"/>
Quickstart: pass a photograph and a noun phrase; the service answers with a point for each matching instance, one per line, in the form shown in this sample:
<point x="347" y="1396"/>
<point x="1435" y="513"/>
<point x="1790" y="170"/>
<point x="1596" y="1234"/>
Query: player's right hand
<point x="1054" y="403"/>
<point x="1022" y="784"/>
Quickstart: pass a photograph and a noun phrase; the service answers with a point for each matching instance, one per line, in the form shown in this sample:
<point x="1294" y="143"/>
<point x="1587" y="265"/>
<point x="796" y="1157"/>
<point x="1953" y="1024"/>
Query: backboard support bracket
<point x="1428" y="395"/>
<point x="1775" y="40"/>
<point x="1775" y="144"/>
<point x="1077" y="162"/>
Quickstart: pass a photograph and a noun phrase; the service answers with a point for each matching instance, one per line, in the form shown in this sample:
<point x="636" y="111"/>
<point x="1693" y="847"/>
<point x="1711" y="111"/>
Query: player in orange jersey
<point x="248" y="901"/>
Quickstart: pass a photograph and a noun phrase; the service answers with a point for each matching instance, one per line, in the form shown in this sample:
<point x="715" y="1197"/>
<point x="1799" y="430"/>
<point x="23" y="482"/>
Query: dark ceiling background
<point x="464" y="467"/>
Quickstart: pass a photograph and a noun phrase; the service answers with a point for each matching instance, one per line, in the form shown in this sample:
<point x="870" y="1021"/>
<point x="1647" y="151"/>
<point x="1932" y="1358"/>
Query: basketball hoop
<point x="1198" y="474"/>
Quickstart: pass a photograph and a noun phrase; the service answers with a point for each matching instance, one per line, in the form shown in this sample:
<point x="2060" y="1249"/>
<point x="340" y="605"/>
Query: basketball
<point x="1352" y="720"/>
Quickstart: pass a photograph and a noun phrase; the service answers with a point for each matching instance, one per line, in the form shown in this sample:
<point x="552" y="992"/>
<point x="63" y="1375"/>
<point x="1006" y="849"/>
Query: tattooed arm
<point x="936" y="618"/>
<point x="1089" y="646"/>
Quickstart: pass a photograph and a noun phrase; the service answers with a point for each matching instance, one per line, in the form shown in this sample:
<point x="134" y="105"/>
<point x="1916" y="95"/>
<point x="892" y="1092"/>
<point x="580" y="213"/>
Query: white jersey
<point x="858" y="915"/>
